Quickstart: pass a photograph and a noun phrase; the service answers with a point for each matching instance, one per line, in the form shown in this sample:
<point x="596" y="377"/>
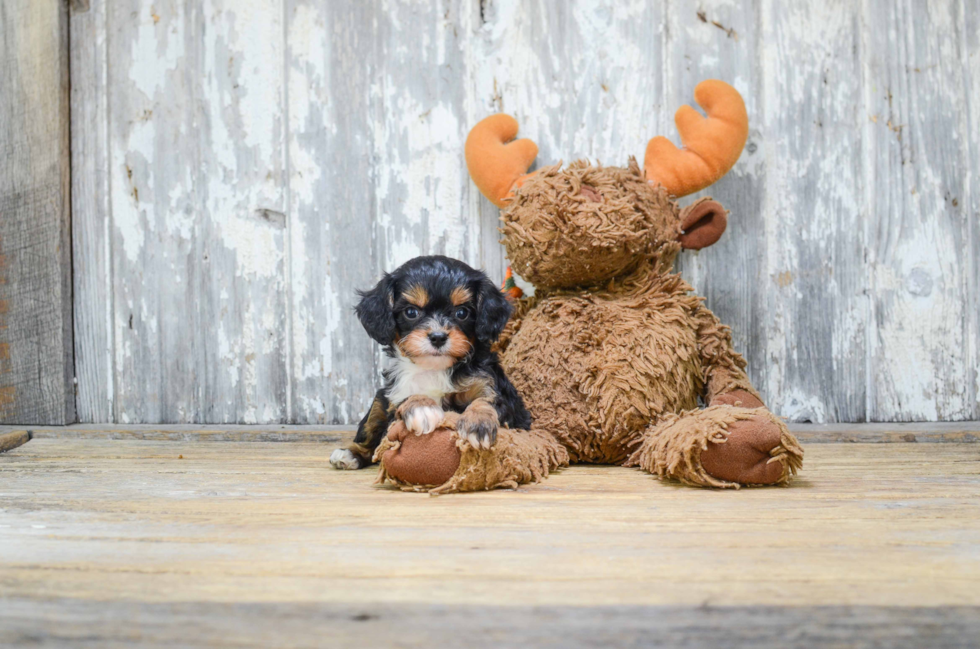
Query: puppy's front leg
<point x="478" y="424"/>
<point x="421" y="414"/>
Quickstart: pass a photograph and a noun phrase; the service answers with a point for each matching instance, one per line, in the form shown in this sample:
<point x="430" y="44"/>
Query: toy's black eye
<point x="462" y="313"/>
<point x="411" y="313"/>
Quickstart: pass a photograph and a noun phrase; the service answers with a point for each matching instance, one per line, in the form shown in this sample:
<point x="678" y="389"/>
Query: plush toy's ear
<point x="702" y="224"/>
<point x="496" y="164"/>
<point x="492" y="311"/>
<point x="376" y="310"/>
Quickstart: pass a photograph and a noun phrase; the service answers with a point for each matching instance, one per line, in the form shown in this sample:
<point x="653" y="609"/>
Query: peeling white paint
<point x="150" y="60"/>
<point x="349" y="123"/>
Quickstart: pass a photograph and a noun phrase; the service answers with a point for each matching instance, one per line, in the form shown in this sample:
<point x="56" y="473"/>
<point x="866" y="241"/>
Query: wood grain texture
<point x="25" y="622"/>
<point x="377" y="122"/>
<point x="332" y="206"/>
<point x="880" y="536"/>
<point x="201" y="433"/>
<point x="970" y="35"/>
<point x="249" y="165"/>
<point x="879" y="433"/>
<point x="13" y="439"/>
<point x="91" y="218"/>
<point x="722" y="40"/>
<point x="921" y="246"/>
<point x="36" y="366"/>
<point x="196" y="170"/>
<point x="815" y="275"/>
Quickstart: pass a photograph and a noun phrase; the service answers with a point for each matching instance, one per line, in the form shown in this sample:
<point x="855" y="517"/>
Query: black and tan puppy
<point x="436" y="318"/>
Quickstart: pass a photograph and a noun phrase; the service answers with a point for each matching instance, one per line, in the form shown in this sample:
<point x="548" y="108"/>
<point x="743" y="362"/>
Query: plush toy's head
<point x="582" y="224"/>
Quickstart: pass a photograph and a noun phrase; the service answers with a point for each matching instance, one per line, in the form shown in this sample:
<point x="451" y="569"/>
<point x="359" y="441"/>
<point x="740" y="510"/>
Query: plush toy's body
<point x="613" y="353"/>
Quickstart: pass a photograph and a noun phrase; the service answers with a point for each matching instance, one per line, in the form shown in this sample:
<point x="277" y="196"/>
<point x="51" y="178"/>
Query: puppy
<point x="436" y="318"/>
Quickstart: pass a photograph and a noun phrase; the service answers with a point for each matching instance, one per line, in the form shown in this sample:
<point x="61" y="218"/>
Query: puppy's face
<point x="434" y="311"/>
<point x="433" y="327"/>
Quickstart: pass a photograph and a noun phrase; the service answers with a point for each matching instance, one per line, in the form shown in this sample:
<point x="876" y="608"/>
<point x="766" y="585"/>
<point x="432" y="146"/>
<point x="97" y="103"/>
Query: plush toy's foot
<point x="442" y="463"/>
<point x="422" y="460"/>
<point x="721" y="446"/>
<point x="753" y="452"/>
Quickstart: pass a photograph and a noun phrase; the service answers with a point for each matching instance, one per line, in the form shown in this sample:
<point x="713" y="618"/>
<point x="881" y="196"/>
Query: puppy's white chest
<point x="410" y="379"/>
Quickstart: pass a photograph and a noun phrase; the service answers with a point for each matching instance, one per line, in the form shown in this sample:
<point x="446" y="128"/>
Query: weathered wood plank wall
<point x="241" y="167"/>
<point x="36" y="368"/>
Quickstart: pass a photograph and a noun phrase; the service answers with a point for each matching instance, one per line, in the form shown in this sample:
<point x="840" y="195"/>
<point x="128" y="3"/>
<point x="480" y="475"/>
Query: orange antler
<point x="711" y="145"/>
<point x="495" y="166"/>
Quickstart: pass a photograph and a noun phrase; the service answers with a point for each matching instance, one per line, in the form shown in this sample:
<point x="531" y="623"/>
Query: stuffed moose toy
<point x="612" y="353"/>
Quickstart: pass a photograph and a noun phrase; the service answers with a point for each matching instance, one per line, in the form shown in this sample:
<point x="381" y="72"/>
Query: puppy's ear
<point x="376" y="310"/>
<point x="492" y="311"/>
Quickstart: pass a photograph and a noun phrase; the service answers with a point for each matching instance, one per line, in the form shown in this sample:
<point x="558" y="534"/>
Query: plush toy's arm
<point x="725" y="381"/>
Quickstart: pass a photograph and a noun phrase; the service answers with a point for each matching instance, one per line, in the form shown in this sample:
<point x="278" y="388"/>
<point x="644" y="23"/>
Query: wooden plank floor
<point x="113" y="542"/>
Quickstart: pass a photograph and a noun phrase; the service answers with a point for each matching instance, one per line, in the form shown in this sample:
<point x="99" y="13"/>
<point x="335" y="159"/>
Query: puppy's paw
<point x="478" y="426"/>
<point x="421" y="414"/>
<point x="424" y="419"/>
<point x="344" y="460"/>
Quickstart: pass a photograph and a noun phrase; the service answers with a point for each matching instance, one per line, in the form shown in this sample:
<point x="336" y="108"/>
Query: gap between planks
<point x="867" y="433"/>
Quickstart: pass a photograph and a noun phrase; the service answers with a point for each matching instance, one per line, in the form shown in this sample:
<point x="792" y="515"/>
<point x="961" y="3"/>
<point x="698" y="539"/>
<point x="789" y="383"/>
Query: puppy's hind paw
<point x="344" y="460"/>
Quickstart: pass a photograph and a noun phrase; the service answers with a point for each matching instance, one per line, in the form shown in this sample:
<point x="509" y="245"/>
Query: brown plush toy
<point x="612" y="352"/>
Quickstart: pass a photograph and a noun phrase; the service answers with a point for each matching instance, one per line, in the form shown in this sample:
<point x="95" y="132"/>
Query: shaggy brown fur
<point x="613" y="352"/>
<point x="557" y="235"/>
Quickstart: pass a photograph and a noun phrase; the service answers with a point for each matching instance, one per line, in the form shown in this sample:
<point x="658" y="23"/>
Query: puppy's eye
<point x="411" y="313"/>
<point x="462" y="313"/>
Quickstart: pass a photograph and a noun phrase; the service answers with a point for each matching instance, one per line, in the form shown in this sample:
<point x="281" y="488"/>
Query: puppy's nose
<point x="438" y="338"/>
